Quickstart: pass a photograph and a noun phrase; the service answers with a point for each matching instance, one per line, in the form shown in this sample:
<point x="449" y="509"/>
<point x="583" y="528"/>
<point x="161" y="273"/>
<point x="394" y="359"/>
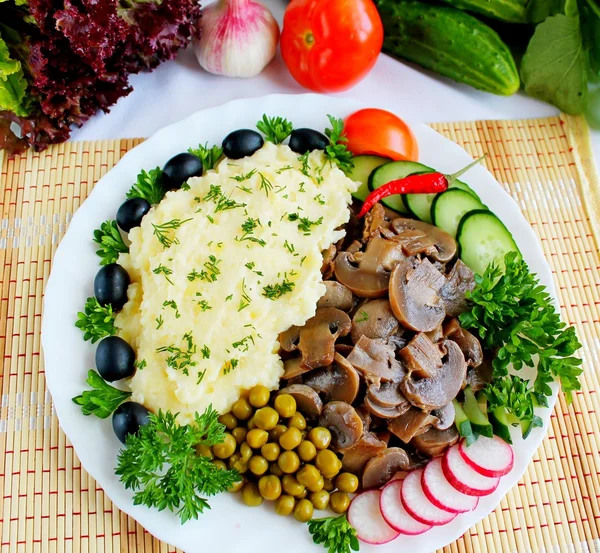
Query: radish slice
<point x="364" y="514"/>
<point x="488" y="456"/>
<point x="465" y="479"/>
<point x="395" y="514"/>
<point x="418" y="506"/>
<point x="441" y="493"/>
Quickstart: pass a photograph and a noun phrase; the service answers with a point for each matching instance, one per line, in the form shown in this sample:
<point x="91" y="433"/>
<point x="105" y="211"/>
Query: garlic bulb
<point x="239" y="38"/>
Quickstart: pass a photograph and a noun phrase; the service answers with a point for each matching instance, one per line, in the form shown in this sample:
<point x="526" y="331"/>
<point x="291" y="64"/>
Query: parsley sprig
<point x="148" y="186"/>
<point x="208" y="156"/>
<point x="275" y="129"/>
<point x="110" y="241"/>
<point x="161" y="466"/>
<point x="514" y="315"/>
<point x="337" y="151"/>
<point x="96" y="321"/>
<point x="102" y="400"/>
<point x="335" y="533"/>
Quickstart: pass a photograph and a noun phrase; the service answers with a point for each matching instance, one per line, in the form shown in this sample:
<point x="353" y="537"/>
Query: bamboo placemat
<point x="49" y="503"/>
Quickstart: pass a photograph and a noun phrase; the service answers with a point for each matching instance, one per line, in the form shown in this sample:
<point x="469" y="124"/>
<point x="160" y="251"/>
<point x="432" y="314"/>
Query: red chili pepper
<point x="423" y="183"/>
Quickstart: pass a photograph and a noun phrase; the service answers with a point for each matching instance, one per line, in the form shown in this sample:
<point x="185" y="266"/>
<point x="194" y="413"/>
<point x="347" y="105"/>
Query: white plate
<point x="229" y="525"/>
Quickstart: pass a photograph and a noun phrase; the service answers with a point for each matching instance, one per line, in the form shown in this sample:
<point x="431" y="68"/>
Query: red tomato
<point x="379" y="132"/>
<point x="330" y="45"/>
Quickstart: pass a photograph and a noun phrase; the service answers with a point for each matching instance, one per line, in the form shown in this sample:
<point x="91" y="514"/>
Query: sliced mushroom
<point x="343" y="422"/>
<point x="367" y="273"/>
<point x="338" y="382"/>
<point x="367" y="447"/>
<point x="307" y="400"/>
<point x="459" y="281"/>
<point x="344" y="349"/>
<point x="443" y="386"/>
<point x="385" y="412"/>
<point x="414" y="295"/>
<point x="316" y="339"/>
<point x="445" y="417"/>
<point x="354" y="247"/>
<point x="410" y="424"/>
<point x="418" y="237"/>
<point x="478" y="377"/>
<point x="381" y="469"/>
<point x="374" y="220"/>
<point x="375" y="360"/>
<point x="469" y="344"/>
<point x="365" y="417"/>
<point x="328" y="258"/>
<point x="436" y="334"/>
<point x="336" y="295"/>
<point x="374" y="319"/>
<point x="421" y="357"/>
<point x="434" y="442"/>
<point x="386" y="394"/>
<point x="293" y="368"/>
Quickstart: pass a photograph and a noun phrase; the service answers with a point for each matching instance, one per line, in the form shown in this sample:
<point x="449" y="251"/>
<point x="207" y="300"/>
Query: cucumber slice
<point x="500" y="424"/>
<point x="479" y="420"/>
<point x="449" y="207"/>
<point x="483" y="239"/>
<point x="363" y="167"/>
<point x="420" y="205"/>
<point x="463" y="424"/>
<point x="394" y="171"/>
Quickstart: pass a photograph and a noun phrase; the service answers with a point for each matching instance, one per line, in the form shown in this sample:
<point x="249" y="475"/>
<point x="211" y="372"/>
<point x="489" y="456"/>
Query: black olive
<point x="115" y="359"/>
<point x="242" y="143"/>
<point x="110" y="286"/>
<point x="180" y="168"/>
<point x="307" y="140"/>
<point x="131" y="212"/>
<point x="127" y="419"/>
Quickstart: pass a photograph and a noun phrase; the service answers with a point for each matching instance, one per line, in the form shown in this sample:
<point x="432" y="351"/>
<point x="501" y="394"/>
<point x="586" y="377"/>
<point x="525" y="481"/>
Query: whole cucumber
<point x="450" y="42"/>
<point x="512" y="11"/>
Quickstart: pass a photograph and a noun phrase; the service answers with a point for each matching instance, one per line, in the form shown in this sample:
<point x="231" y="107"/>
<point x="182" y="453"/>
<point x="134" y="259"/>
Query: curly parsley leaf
<point x="161" y="466"/>
<point x="275" y="129"/>
<point x="336" y="534"/>
<point x="96" y="321"/>
<point x="208" y="156"/>
<point x="102" y="400"/>
<point x="110" y="241"/>
<point x="514" y="315"/>
<point x="148" y="186"/>
<point x="337" y="151"/>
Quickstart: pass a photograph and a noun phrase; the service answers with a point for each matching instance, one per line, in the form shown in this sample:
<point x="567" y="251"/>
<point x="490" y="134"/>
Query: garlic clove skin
<point x="239" y="38"/>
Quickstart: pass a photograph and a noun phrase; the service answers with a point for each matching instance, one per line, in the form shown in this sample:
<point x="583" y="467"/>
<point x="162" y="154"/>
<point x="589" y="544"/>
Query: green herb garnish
<point x="275" y="129"/>
<point x="102" y="400"/>
<point x="275" y="291"/>
<point x="304" y="223"/>
<point x="337" y="151"/>
<point x="265" y="184"/>
<point x="161" y="466"/>
<point x="148" y="186"/>
<point x="181" y="359"/>
<point x="244" y="177"/>
<point x="110" y="241"/>
<point x="162" y="270"/>
<point x="363" y="316"/>
<point x="159" y="321"/>
<point x="208" y="156"/>
<point x="173" y="305"/>
<point x="514" y="315"/>
<point x="230" y="365"/>
<point x="336" y="534"/>
<point x="222" y="202"/>
<point x="96" y="321"/>
<point x="161" y="232"/>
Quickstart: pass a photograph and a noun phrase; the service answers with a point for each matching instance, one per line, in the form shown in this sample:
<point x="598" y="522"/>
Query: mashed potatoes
<point x="220" y="269"/>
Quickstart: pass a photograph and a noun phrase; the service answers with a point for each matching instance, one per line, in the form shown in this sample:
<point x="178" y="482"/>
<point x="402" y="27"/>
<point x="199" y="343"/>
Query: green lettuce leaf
<point x="554" y="67"/>
<point x="539" y="10"/>
<point x="590" y="28"/>
<point x="13" y="86"/>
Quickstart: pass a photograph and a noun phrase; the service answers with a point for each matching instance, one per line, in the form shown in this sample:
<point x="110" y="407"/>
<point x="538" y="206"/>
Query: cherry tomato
<point x="330" y="45"/>
<point x="379" y="132"/>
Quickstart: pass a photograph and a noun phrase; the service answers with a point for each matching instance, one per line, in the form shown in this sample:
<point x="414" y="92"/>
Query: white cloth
<point x="178" y="88"/>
